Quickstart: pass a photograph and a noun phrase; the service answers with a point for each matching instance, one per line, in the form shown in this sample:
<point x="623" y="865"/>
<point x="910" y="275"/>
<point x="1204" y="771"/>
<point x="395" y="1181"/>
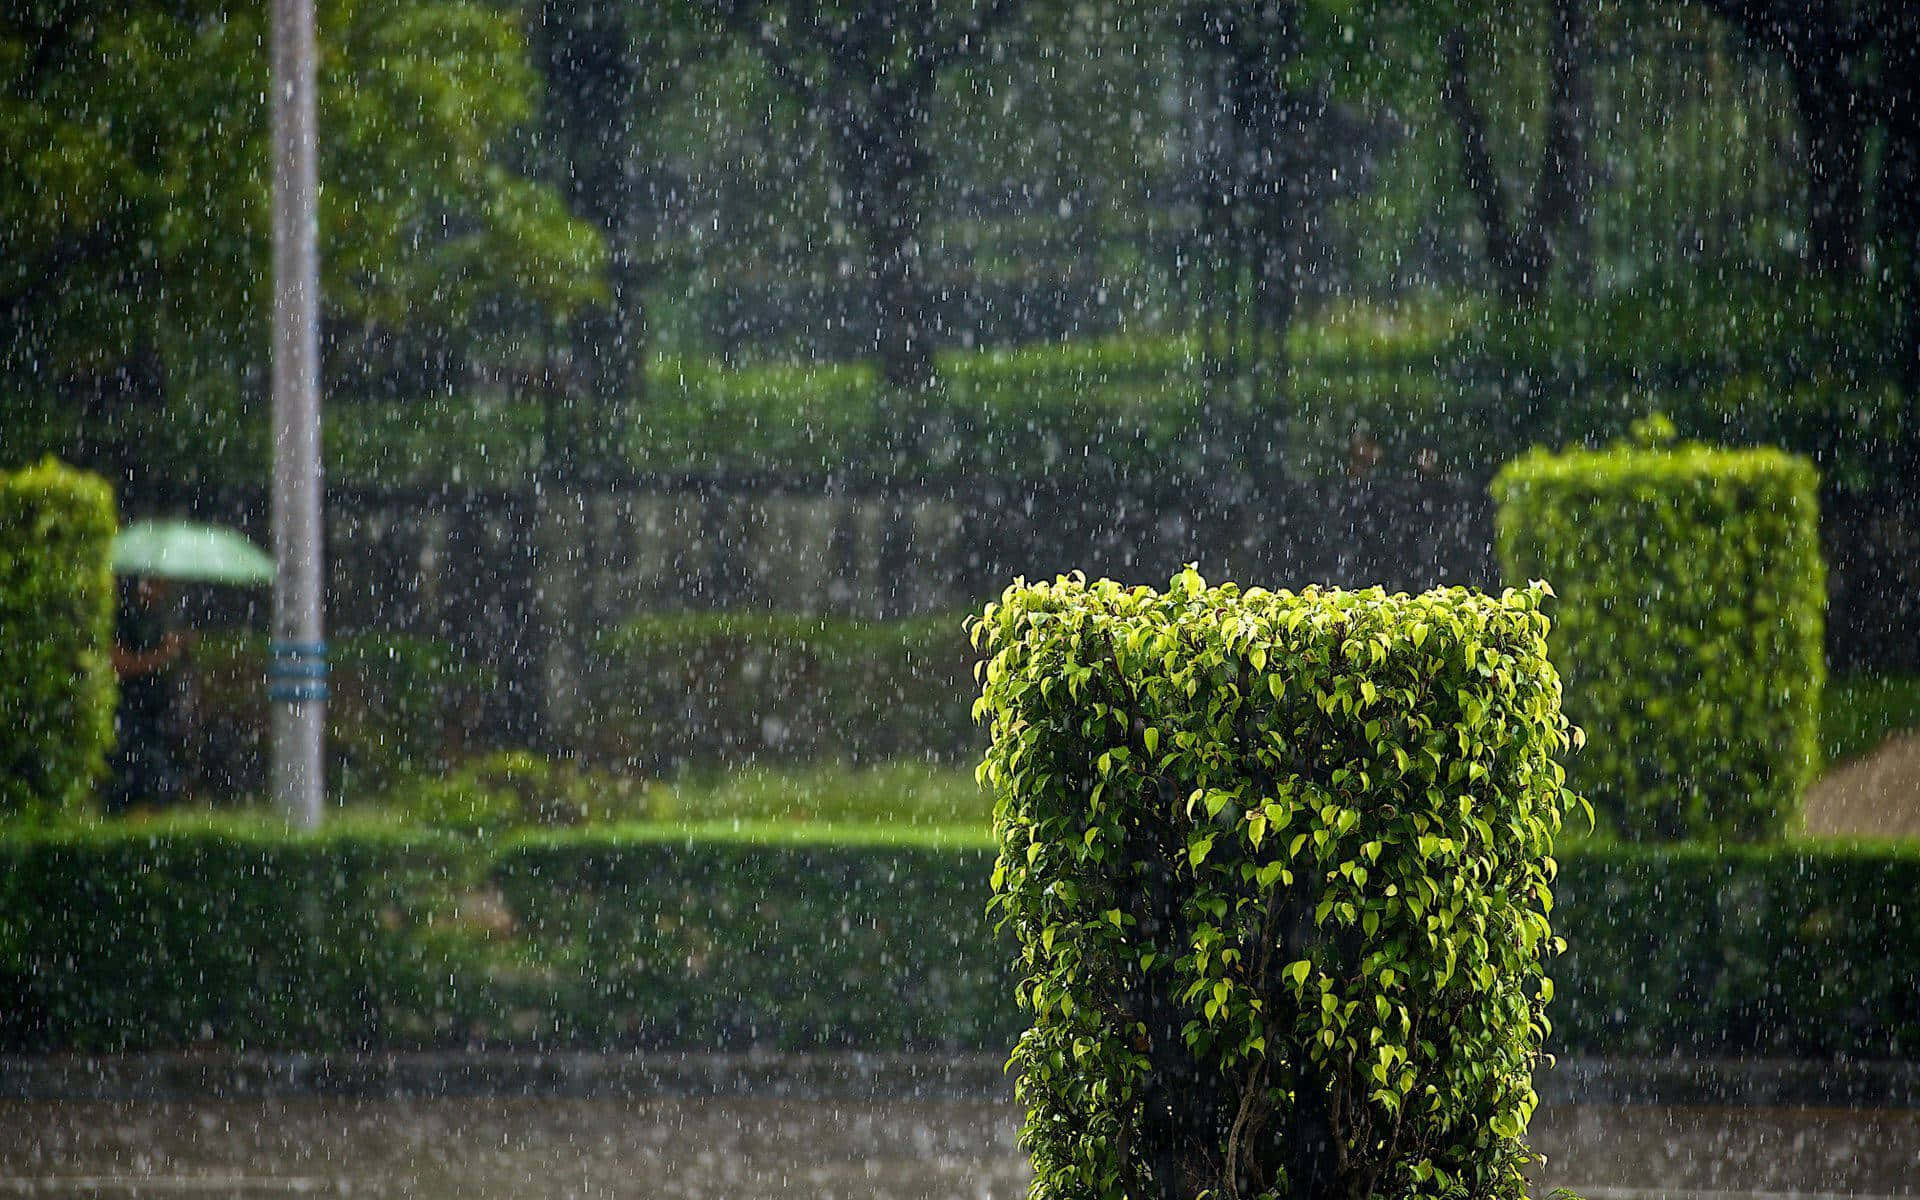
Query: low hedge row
<point x="706" y="937"/>
<point x="1806" y="951"/>
<point x="182" y="934"/>
<point x="725" y="939"/>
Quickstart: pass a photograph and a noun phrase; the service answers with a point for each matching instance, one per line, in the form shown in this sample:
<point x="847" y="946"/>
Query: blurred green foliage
<point x="1432" y="384"/>
<point x="508" y="790"/>
<point x="57" y="686"/>
<point x="705" y="687"/>
<point x="401" y="706"/>
<point x="1440" y="385"/>
<point x="909" y="794"/>
<point x="1693" y="602"/>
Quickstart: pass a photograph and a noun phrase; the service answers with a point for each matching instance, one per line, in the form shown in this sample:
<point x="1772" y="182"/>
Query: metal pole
<point x="297" y="674"/>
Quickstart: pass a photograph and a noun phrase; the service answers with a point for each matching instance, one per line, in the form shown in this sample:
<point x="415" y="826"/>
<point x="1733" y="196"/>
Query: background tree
<point x="607" y="69"/>
<point x="868" y="73"/>
<point x="1522" y="244"/>
<point x="1855" y="67"/>
<point x="1827" y="48"/>
<point x="133" y="223"/>
<point x="1272" y="147"/>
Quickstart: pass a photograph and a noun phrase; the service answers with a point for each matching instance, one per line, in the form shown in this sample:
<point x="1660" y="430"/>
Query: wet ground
<point x="735" y="1148"/>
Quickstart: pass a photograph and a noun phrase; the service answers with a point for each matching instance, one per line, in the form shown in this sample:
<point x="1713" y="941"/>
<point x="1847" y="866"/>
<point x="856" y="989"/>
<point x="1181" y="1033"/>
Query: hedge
<point x="1806" y="951"/>
<point x="1691" y="621"/>
<point x="804" y="939"/>
<point x="1277" y="866"/>
<point x="180" y="934"/>
<point x="704" y="687"/>
<point x="57" y="688"/>
<point x="1794" y="951"/>
<point x="719" y="937"/>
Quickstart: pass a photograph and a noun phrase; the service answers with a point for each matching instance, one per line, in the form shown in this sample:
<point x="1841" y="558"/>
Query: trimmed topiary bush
<point x="1278" y="869"/>
<point x="1690" y="628"/>
<point x="57" y="690"/>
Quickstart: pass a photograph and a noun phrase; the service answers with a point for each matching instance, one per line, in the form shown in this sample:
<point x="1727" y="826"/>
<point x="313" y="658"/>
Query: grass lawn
<point x="1862" y="711"/>
<point x="903" y="793"/>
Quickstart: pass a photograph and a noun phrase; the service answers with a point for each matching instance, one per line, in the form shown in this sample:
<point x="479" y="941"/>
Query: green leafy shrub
<point x="1278" y="868"/>
<point x="721" y="937"/>
<point x="516" y="789"/>
<point x="183" y="933"/>
<point x="703" y="687"/>
<point x="1693" y="599"/>
<point x="57" y="689"/>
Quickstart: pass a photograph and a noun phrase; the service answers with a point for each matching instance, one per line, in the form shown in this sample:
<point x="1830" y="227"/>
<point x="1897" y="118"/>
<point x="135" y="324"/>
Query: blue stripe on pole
<point x="297" y="672"/>
<point x="288" y="693"/>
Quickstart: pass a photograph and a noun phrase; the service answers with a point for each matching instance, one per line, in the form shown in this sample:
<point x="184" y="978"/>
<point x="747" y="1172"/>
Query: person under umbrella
<point x="147" y="652"/>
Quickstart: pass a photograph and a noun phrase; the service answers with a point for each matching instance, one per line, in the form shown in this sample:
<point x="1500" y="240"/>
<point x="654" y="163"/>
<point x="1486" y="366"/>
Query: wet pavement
<point x="735" y="1148"/>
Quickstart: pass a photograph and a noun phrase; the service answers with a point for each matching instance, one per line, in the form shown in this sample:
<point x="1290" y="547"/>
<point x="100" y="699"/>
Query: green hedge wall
<point x="1693" y="599"/>
<point x="175" y="935"/>
<point x="180" y="934"/>
<point x="1801" y="951"/>
<point x="802" y="940"/>
<point x="57" y="689"/>
<point x="1275" y="862"/>
<point x="705" y="687"/>
<point x="1794" y="951"/>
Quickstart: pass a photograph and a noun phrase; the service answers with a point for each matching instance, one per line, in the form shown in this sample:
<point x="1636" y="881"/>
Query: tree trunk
<point x="1477" y="168"/>
<point x="1560" y="199"/>
<point x="584" y="49"/>
<point x="1523" y="258"/>
<point x="1832" y="121"/>
<point x="902" y="349"/>
<point x="1900" y="207"/>
<point x="885" y="168"/>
